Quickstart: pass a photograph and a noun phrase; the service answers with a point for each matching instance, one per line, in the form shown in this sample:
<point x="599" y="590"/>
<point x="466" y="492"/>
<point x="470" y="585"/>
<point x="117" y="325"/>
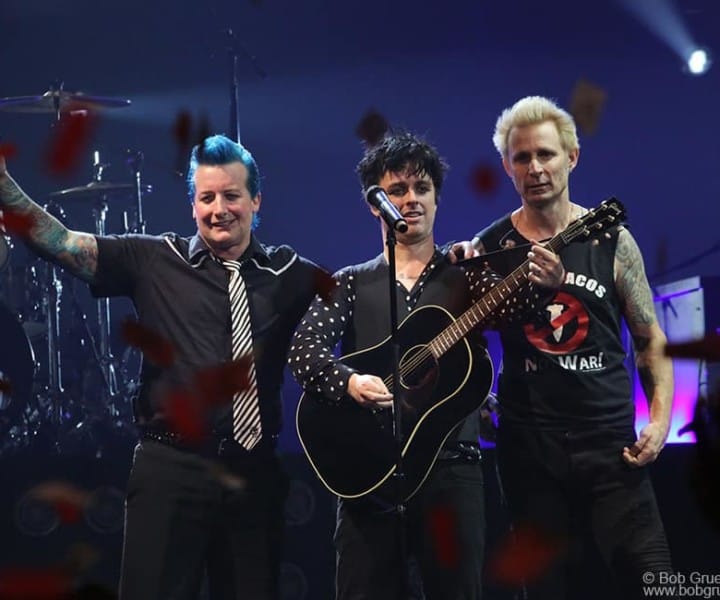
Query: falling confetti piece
<point x="443" y="530"/>
<point x="182" y="129"/>
<point x="154" y="347"/>
<point x="186" y="416"/>
<point x="707" y="348"/>
<point x="16" y="223"/>
<point x="485" y="180"/>
<point x="324" y="284"/>
<point x="217" y="385"/>
<point x="71" y="138"/>
<point x="8" y="150"/>
<point x="523" y="556"/>
<point x="372" y="127"/>
<point x="80" y="558"/>
<point x="67" y="500"/>
<point x="229" y="480"/>
<point x="586" y="106"/>
<point x="22" y="583"/>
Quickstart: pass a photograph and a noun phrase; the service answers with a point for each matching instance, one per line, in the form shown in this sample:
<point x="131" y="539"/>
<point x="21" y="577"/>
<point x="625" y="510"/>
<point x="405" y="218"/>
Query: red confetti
<point x="68" y="501"/>
<point x="186" y="135"/>
<point x="523" y="556"/>
<point x="372" y="127"/>
<point x="586" y="106"/>
<point x="324" y="284"/>
<point x="72" y="136"/>
<point x="707" y="348"/>
<point x="185" y="416"/>
<point x="8" y="150"/>
<point x="15" y="222"/>
<point x="485" y="180"/>
<point x="34" y="584"/>
<point x="67" y="512"/>
<point x="154" y="347"/>
<point x="443" y="529"/>
<point x="217" y="385"/>
<point x="182" y="129"/>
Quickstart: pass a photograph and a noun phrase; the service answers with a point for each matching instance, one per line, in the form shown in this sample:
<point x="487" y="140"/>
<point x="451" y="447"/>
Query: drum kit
<point x="60" y="383"/>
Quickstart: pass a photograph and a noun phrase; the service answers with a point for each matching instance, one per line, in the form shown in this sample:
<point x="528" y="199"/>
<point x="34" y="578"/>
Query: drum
<point x="17" y="369"/>
<point x="22" y="292"/>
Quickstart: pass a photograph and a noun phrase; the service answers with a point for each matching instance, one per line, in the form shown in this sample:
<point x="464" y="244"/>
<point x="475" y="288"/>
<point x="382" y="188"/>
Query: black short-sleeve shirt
<point x="180" y="293"/>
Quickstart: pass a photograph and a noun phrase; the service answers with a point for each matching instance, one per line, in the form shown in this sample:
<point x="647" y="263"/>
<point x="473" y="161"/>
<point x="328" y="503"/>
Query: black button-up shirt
<point x="181" y="294"/>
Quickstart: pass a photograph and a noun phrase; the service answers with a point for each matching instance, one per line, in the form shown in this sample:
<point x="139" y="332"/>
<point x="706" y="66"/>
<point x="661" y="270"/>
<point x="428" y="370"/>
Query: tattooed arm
<point x="75" y="251"/>
<point x="654" y="369"/>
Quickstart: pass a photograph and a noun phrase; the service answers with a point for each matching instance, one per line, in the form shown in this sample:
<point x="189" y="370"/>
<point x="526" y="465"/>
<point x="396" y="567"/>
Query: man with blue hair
<point x="210" y="504"/>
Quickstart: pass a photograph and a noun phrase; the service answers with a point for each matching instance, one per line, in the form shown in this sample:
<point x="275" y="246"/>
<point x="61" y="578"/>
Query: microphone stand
<point x="234" y="47"/>
<point x="399" y="474"/>
<point x="234" y="100"/>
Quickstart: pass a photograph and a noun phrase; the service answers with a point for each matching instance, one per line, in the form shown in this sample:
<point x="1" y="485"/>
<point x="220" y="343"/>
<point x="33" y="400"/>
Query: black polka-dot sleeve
<point x="311" y="359"/>
<point x="520" y="305"/>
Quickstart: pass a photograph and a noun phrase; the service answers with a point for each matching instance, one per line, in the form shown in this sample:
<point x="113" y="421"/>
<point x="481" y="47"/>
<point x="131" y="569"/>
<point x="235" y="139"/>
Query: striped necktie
<point x="247" y="428"/>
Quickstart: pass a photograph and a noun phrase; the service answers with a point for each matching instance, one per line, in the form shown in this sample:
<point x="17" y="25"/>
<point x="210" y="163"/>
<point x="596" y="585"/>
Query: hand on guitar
<point x="546" y="268"/>
<point x="461" y="251"/>
<point x="369" y="391"/>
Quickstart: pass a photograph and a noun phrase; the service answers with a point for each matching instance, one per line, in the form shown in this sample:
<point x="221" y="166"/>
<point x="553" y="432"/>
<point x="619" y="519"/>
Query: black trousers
<point x="187" y="515"/>
<point x="574" y="487"/>
<point x="445" y="539"/>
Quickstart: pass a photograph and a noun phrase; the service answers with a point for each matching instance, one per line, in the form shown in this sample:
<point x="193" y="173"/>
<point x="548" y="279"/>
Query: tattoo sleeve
<point x="48" y="237"/>
<point x="653" y="367"/>
<point x="632" y="283"/>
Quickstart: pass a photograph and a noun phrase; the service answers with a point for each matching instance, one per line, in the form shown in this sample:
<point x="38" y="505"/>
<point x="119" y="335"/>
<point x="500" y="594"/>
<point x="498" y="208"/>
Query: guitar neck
<point x="497" y="296"/>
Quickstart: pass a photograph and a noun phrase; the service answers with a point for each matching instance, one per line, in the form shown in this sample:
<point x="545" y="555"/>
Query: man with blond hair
<point x="571" y="464"/>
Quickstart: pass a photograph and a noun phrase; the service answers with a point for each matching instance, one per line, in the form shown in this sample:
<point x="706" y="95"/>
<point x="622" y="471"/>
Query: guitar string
<point x="451" y="331"/>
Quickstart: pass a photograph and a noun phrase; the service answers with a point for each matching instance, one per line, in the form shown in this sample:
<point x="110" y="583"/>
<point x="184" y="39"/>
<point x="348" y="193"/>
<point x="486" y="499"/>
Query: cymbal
<point x="99" y="188"/>
<point x="59" y="100"/>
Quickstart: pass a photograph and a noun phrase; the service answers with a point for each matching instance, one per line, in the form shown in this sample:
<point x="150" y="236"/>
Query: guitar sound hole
<point x="417" y="367"/>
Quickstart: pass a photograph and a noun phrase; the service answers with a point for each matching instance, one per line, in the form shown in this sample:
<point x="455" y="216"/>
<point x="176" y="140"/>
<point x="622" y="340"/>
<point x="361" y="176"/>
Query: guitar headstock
<point x="609" y="213"/>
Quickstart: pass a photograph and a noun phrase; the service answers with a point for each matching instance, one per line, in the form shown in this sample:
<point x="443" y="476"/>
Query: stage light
<point x="663" y="18"/>
<point x="698" y="62"/>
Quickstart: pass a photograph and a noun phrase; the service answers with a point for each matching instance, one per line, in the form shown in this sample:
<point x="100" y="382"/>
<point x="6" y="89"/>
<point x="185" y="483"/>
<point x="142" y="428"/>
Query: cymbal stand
<point x="56" y="89"/>
<point x="53" y="412"/>
<point x="137" y="224"/>
<point x="53" y="297"/>
<point x="107" y="361"/>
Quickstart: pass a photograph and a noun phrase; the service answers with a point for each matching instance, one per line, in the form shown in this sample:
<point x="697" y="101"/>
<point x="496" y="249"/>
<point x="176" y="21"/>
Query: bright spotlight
<point x="698" y="62"/>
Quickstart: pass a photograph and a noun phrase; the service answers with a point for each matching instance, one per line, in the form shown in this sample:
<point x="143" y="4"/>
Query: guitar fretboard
<point x="498" y="295"/>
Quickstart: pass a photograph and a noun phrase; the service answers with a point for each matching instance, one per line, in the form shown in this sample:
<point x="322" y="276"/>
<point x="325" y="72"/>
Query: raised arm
<point x="654" y="368"/>
<point x="75" y="251"/>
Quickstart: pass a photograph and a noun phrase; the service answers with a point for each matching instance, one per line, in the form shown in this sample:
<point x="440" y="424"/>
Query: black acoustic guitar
<point x="352" y="449"/>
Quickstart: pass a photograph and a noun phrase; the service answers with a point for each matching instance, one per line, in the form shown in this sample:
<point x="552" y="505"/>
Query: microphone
<point x="377" y="197"/>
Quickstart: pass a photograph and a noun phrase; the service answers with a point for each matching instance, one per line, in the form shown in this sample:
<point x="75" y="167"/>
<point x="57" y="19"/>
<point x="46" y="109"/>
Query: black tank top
<point x="566" y="369"/>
